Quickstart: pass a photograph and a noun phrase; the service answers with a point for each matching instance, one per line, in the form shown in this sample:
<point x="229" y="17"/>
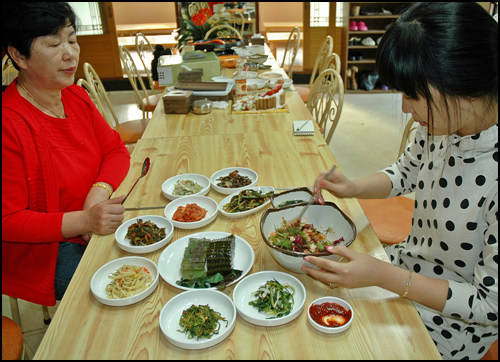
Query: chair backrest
<point x="325" y="50"/>
<point x="238" y="20"/>
<point x="141" y="95"/>
<point x="326" y="101"/>
<point x="9" y="72"/>
<point x="291" y="50"/>
<point x="224" y="30"/>
<point x="145" y="51"/>
<point x="409" y="128"/>
<point x="98" y="93"/>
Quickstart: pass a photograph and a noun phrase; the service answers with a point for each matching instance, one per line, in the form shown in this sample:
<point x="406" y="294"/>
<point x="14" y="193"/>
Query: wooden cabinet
<point x="376" y="17"/>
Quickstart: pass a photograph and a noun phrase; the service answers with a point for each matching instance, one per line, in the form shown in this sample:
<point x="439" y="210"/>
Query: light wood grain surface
<point x="385" y="326"/>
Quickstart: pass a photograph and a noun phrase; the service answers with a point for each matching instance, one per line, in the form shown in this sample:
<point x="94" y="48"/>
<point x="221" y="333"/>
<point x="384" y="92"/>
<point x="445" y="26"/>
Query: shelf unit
<point x="376" y="22"/>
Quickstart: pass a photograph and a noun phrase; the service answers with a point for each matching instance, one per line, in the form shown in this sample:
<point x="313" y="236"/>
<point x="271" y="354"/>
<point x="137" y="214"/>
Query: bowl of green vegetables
<point x="245" y="202"/>
<point x="269" y="298"/>
<point x="198" y="319"/>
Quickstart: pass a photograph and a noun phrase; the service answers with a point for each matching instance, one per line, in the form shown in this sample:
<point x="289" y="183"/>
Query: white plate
<point x="167" y="188"/>
<point x="100" y="280"/>
<point x="169" y="263"/>
<point x="271" y="75"/>
<point x="171" y="314"/>
<point x="160" y="221"/>
<point x="235" y="215"/>
<point x="202" y="201"/>
<point x="251" y="174"/>
<point x="243" y="294"/>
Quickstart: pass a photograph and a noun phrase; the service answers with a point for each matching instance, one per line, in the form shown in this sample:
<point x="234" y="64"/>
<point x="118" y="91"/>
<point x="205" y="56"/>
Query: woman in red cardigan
<point x="61" y="161"/>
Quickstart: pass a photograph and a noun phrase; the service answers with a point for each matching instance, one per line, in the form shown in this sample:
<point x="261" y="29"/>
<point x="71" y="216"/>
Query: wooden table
<point x="385" y="326"/>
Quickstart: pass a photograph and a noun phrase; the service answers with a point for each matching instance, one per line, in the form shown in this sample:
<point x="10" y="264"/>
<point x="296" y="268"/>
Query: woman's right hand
<point x="337" y="184"/>
<point x="105" y="217"/>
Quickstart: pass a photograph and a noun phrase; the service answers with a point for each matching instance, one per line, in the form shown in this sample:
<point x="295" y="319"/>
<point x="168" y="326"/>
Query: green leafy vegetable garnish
<point x="273" y="298"/>
<point x="247" y="200"/>
<point x="200" y="321"/>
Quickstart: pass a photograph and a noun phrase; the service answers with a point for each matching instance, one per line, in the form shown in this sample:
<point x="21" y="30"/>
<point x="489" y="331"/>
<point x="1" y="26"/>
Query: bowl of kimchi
<point x="191" y="212"/>
<point x="289" y="240"/>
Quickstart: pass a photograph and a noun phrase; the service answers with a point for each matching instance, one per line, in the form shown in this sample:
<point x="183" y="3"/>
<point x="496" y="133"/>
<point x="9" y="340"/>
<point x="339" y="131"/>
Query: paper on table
<point x="303" y="128"/>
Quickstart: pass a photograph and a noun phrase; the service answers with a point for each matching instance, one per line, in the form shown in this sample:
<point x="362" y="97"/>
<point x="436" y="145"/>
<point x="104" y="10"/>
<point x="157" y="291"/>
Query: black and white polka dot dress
<point x="454" y="234"/>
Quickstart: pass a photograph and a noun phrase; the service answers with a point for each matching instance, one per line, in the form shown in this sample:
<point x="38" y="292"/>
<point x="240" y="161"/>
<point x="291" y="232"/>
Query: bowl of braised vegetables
<point x="185" y="185"/>
<point x="144" y="234"/>
<point x="289" y="239"/>
<point x="233" y="179"/>
<point x="245" y="202"/>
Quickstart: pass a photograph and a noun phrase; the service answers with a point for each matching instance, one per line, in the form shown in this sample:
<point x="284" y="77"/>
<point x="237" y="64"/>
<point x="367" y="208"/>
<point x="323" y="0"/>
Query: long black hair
<point x="452" y="47"/>
<point x="22" y="22"/>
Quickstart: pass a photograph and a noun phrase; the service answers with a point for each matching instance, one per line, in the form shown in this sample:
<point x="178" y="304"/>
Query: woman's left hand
<point x="360" y="270"/>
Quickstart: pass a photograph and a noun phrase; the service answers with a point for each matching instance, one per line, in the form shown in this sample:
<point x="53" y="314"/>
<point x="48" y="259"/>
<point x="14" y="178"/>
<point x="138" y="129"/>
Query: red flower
<point x="201" y="16"/>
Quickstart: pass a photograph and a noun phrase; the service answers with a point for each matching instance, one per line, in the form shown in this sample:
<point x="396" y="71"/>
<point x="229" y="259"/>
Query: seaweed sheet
<point x="206" y="257"/>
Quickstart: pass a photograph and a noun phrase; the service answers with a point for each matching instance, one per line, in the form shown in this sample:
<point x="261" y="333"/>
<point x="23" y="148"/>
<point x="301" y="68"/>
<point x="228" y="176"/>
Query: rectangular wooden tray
<point x="201" y="86"/>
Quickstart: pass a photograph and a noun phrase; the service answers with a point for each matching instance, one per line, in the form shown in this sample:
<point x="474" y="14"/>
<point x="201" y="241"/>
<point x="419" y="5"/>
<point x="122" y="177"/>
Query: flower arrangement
<point x="195" y="22"/>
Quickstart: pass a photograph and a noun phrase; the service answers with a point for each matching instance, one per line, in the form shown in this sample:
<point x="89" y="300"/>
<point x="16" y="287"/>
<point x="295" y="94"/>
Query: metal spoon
<point x="145" y="169"/>
<point x="311" y="200"/>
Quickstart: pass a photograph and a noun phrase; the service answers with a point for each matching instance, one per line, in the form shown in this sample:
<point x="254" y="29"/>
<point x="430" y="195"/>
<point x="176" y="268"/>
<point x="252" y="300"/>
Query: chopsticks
<point x="311" y="200"/>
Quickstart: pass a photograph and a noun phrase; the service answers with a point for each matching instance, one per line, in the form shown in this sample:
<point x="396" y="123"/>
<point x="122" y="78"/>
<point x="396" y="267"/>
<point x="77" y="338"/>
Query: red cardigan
<point x="48" y="168"/>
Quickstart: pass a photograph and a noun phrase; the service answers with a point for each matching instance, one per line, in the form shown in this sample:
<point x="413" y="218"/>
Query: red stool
<point x="12" y="339"/>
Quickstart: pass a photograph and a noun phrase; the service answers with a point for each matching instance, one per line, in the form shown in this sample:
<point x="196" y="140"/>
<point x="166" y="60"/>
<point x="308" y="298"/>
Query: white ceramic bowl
<point x="271" y="75"/>
<point x="172" y="312"/>
<point x="100" y="280"/>
<point x="271" y="83"/>
<point x="202" y="201"/>
<point x="168" y="186"/>
<point x="160" y="221"/>
<point x="321" y="216"/>
<point x="243" y="294"/>
<point x="169" y="263"/>
<point x="302" y="194"/>
<point x="258" y="58"/>
<point x="323" y="328"/>
<point x="251" y="174"/>
<point x="254" y="84"/>
<point x="235" y="215"/>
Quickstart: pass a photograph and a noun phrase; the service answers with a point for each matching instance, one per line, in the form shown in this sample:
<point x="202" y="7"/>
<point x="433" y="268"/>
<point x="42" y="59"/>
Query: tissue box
<point x="177" y="101"/>
<point x="170" y="66"/>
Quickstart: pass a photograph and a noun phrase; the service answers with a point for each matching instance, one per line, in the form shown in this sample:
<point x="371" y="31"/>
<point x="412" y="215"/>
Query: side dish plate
<point x="169" y="263"/>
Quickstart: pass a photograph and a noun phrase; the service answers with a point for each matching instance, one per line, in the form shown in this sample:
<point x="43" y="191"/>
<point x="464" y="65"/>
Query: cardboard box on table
<point x="170" y="66"/>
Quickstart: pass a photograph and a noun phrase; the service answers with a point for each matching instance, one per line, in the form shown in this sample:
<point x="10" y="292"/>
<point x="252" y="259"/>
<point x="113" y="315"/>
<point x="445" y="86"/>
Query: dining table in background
<point x="385" y="326"/>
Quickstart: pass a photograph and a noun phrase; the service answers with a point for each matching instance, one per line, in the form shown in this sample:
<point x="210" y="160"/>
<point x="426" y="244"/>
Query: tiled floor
<point x="366" y="140"/>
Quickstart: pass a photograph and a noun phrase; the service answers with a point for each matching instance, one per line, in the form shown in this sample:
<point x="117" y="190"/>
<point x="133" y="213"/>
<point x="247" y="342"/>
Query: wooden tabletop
<point x="385" y="326"/>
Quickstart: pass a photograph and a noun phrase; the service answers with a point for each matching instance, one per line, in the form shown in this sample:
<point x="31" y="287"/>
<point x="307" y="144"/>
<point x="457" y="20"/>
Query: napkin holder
<point x="178" y="101"/>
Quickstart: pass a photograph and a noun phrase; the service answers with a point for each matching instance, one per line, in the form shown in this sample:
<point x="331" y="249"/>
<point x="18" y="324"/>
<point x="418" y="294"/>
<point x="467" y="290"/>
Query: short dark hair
<point x="22" y="22"/>
<point x="451" y="46"/>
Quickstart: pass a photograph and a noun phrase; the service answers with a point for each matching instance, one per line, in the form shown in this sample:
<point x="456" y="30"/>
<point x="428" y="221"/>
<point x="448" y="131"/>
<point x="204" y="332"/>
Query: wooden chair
<point x="224" y="31"/>
<point x="145" y="101"/>
<point x="145" y="52"/>
<point x="326" y="101"/>
<point x="291" y="50"/>
<point x="129" y="131"/>
<point x="391" y="218"/>
<point x="320" y="65"/>
<point x="9" y="72"/>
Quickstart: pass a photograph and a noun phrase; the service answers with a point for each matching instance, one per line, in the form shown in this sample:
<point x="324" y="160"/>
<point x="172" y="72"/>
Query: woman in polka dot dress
<point x="444" y="58"/>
